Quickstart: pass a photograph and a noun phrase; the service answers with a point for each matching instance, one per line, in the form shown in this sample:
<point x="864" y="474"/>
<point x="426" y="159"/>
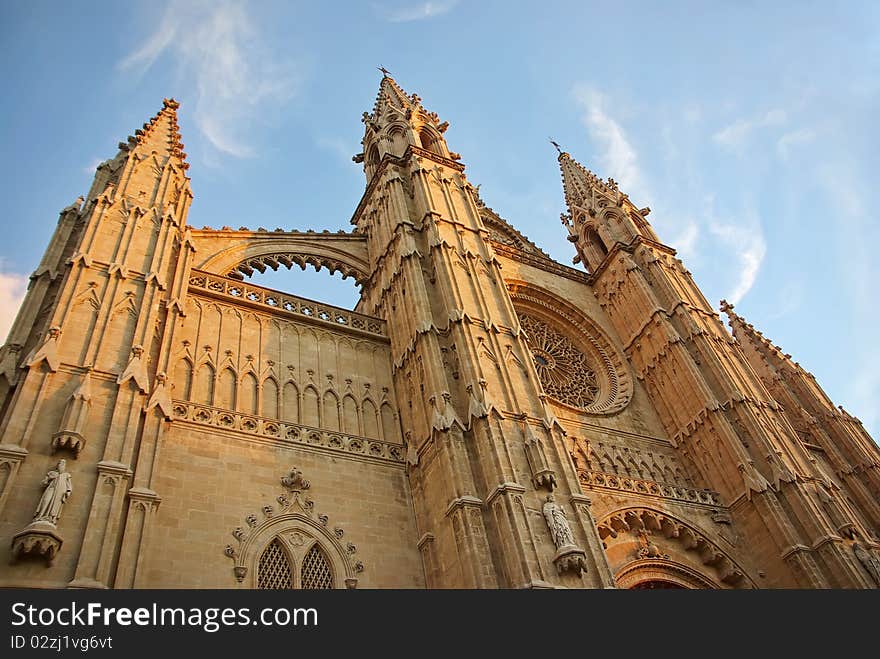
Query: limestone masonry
<point x="484" y="418"/>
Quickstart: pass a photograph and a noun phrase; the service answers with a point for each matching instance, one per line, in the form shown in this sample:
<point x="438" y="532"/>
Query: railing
<point x="649" y="488"/>
<point x="287" y="432"/>
<point x="278" y="301"/>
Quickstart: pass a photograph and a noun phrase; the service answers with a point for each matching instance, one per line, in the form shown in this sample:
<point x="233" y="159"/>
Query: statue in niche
<point x="558" y="523"/>
<point x="869" y="560"/>
<point x="58" y="484"/>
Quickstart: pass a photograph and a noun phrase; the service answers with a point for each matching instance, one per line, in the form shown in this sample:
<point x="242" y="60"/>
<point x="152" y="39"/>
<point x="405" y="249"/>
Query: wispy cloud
<point x="416" y="12"/>
<point x="685" y="243"/>
<point x="746" y="239"/>
<point x="793" y="139"/>
<point x="735" y="135"/>
<point x="618" y="157"/>
<point x="338" y="147"/>
<point x="13" y="287"/>
<point x="223" y="55"/>
<point x="789" y="298"/>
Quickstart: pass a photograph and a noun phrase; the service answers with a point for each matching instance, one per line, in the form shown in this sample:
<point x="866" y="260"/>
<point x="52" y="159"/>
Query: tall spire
<point x="160" y="135"/>
<point x="390" y="93"/>
<point x="399" y="121"/>
<point x="581" y="185"/>
<point x="599" y="214"/>
<point x="162" y="182"/>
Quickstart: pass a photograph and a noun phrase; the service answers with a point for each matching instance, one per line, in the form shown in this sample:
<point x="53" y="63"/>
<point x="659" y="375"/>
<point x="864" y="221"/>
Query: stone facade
<point x="485" y="418"/>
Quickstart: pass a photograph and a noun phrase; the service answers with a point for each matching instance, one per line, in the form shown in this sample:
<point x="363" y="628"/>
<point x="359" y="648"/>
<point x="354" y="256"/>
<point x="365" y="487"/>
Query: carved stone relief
<point x="295" y="524"/>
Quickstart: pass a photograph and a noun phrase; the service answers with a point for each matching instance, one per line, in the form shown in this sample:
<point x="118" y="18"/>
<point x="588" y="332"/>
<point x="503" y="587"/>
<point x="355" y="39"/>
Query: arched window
<point x="270" y="399"/>
<point x="371" y="420"/>
<point x="310" y="414"/>
<point x="247" y="400"/>
<point x="593" y="238"/>
<point x="183" y="377"/>
<point x="226" y="389"/>
<point x="428" y="141"/>
<point x="331" y="411"/>
<point x="350" y="415"/>
<point x="290" y="403"/>
<point x="316" y="574"/>
<point x="373" y="157"/>
<point x="274" y="572"/>
<point x="205" y="385"/>
<point x="277" y="570"/>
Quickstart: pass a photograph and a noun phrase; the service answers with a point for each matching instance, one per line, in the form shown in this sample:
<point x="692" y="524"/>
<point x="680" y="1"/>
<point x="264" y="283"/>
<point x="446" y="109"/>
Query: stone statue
<point x="558" y="523"/>
<point x="869" y="560"/>
<point x="58" y="484"/>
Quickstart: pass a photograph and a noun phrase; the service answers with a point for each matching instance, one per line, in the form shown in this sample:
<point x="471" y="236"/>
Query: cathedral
<point x="485" y="417"/>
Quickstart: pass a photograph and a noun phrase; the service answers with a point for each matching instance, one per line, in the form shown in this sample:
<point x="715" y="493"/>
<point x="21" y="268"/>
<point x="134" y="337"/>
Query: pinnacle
<point x="161" y="134"/>
<point x="392" y="95"/>
<point x="746" y="332"/>
<point x="578" y="182"/>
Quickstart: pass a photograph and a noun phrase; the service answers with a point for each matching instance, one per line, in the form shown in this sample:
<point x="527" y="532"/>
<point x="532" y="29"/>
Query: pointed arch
<point x="183" y="379"/>
<point x="227" y="388"/>
<point x="269" y="404"/>
<point x="204" y="385"/>
<point x="350" y="415"/>
<point x="371" y="419"/>
<point x="636" y="538"/>
<point x="248" y="399"/>
<point x="373" y="155"/>
<point x="316" y="573"/>
<point x="633" y="468"/>
<point x="330" y="415"/>
<point x="290" y="402"/>
<point x="311" y="415"/>
<point x="274" y="570"/>
<point x="430" y="141"/>
<point x="390" y="427"/>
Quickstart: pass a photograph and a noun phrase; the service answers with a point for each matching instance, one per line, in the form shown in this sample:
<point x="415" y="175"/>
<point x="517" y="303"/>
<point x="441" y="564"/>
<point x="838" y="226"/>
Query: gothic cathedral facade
<point x="484" y="418"/>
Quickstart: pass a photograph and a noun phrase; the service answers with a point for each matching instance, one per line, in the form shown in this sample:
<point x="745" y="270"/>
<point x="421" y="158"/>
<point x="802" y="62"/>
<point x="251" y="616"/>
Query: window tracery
<point x="274" y="570"/>
<point x="566" y="373"/>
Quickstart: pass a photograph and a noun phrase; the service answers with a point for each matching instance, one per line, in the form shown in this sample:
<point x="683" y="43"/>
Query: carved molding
<point x="245" y="250"/>
<point x="595" y="479"/>
<point x="613" y="383"/>
<point x="292" y="519"/>
<point x="288" y="433"/>
<point x="240" y="293"/>
<point x="641" y="523"/>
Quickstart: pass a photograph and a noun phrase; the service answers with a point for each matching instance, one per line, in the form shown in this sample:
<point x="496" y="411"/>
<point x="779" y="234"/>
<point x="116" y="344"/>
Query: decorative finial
<point x="558" y="148"/>
<point x="385" y="72"/>
<point x="726" y="306"/>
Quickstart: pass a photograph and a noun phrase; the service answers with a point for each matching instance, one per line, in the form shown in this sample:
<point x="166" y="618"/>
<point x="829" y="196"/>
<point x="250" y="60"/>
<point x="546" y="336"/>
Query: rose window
<point x="565" y="372"/>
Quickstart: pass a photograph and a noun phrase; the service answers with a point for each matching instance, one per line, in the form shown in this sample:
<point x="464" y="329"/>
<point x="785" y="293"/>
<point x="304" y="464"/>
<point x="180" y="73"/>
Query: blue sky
<point x="749" y="128"/>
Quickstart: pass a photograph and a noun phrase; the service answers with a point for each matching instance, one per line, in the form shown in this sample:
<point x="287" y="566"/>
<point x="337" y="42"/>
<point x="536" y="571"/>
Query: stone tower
<point x="91" y="333"/>
<point x="717" y="411"/>
<point x="484" y="450"/>
<point x="485" y="418"/>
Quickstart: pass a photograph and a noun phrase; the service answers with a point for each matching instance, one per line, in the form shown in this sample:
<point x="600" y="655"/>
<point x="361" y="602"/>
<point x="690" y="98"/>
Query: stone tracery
<point x="565" y="372"/>
<point x="576" y="362"/>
